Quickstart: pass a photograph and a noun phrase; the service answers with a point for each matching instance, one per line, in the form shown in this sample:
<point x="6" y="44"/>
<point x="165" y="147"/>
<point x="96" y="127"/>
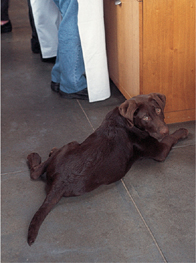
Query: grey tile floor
<point x="149" y="216"/>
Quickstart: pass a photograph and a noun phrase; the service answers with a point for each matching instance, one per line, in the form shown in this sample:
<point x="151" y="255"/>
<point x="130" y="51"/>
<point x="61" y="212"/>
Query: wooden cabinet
<point x="151" y="48"/>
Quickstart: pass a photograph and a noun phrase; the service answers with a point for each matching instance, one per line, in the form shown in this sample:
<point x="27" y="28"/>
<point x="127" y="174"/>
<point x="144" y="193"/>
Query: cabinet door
<point x="169" y="55"/>
<point x="122" y="41"/>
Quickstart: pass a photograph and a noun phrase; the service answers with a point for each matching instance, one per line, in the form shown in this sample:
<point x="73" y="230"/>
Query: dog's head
<point x="146" y="112"/>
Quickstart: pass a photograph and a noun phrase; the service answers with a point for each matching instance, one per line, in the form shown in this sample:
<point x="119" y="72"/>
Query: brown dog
<point x="134" y="130"/>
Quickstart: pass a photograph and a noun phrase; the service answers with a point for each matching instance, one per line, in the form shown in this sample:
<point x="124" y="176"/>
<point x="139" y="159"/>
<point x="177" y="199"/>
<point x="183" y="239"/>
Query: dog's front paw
<point x="182" y="133"/>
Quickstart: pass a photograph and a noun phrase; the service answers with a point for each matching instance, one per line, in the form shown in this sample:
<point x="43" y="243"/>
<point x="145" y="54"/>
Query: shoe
<point x="6" y="28"/>
<point x="35" y="46"/>
<point x="48" y="60"/>
<point x="80" y="95"/>
<point x="55" y="86"/>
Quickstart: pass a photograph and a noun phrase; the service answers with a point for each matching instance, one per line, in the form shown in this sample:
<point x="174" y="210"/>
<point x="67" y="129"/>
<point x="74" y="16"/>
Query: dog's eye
<point x="146" y="118"/>
<point x="158" y="111"/>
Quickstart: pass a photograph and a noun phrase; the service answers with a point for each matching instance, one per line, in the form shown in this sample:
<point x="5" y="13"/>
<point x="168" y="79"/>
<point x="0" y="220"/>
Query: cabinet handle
<point x="118" y="2"/>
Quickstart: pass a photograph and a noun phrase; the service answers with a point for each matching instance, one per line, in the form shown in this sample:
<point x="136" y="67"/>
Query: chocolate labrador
<point x="136" y="129"/>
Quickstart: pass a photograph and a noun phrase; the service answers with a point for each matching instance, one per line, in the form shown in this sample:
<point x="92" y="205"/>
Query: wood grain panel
<point x="179" y="116"/>
<point x="169" y="52"/>
<point x="151" y="48"/>
<point x="122" y="41"/>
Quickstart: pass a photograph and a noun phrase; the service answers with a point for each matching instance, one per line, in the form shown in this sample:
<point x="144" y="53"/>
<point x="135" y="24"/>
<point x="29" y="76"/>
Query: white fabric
<point x="47" y="18"/>
<point x="92" y="34"/>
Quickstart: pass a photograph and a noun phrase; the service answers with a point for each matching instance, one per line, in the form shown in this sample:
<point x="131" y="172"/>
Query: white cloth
<point x="92" y="34"/>
<point x="47" y="18"/>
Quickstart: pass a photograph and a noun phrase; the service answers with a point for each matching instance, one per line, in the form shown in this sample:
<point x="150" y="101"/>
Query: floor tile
<point x="164" y="193"/>
<point x="102" y="226"/>
<point x="97" y="111"/>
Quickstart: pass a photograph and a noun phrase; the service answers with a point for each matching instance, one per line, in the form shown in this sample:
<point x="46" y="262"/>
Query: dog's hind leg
<point x="37" y="168"/>
<point x="52" y="198"/>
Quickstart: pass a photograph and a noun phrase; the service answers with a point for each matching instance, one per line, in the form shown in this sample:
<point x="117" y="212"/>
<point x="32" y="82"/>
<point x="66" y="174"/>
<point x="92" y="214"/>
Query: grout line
<point x="16" y="172"/>
<point x="86" y="115"/>
<point x="183" y="146"/>
<point x="159" y="249"/>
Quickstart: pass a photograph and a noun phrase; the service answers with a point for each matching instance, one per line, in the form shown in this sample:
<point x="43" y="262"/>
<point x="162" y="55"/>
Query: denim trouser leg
<point x="69" y="67"/>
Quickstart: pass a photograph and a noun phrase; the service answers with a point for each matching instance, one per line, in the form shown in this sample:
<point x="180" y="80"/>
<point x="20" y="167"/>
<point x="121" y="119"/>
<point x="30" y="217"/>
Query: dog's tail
<point x="53" y="197"/>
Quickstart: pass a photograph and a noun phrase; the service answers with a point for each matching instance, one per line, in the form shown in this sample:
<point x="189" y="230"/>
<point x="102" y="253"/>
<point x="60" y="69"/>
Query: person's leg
<point x="69" y="67"/>
<point x="6" y="25"/>
<point x="35" y="46"/>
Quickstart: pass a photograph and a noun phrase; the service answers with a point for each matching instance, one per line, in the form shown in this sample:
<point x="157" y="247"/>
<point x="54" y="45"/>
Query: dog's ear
<point x="159" y="98"/>
<point x="127" y="110"/>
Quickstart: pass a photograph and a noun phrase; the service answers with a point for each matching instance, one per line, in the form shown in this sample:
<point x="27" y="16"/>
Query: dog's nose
<point x="164" y="130"/>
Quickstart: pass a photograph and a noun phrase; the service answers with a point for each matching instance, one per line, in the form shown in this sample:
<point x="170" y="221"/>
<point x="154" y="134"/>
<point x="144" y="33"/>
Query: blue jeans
<point x="69" y="67"/>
